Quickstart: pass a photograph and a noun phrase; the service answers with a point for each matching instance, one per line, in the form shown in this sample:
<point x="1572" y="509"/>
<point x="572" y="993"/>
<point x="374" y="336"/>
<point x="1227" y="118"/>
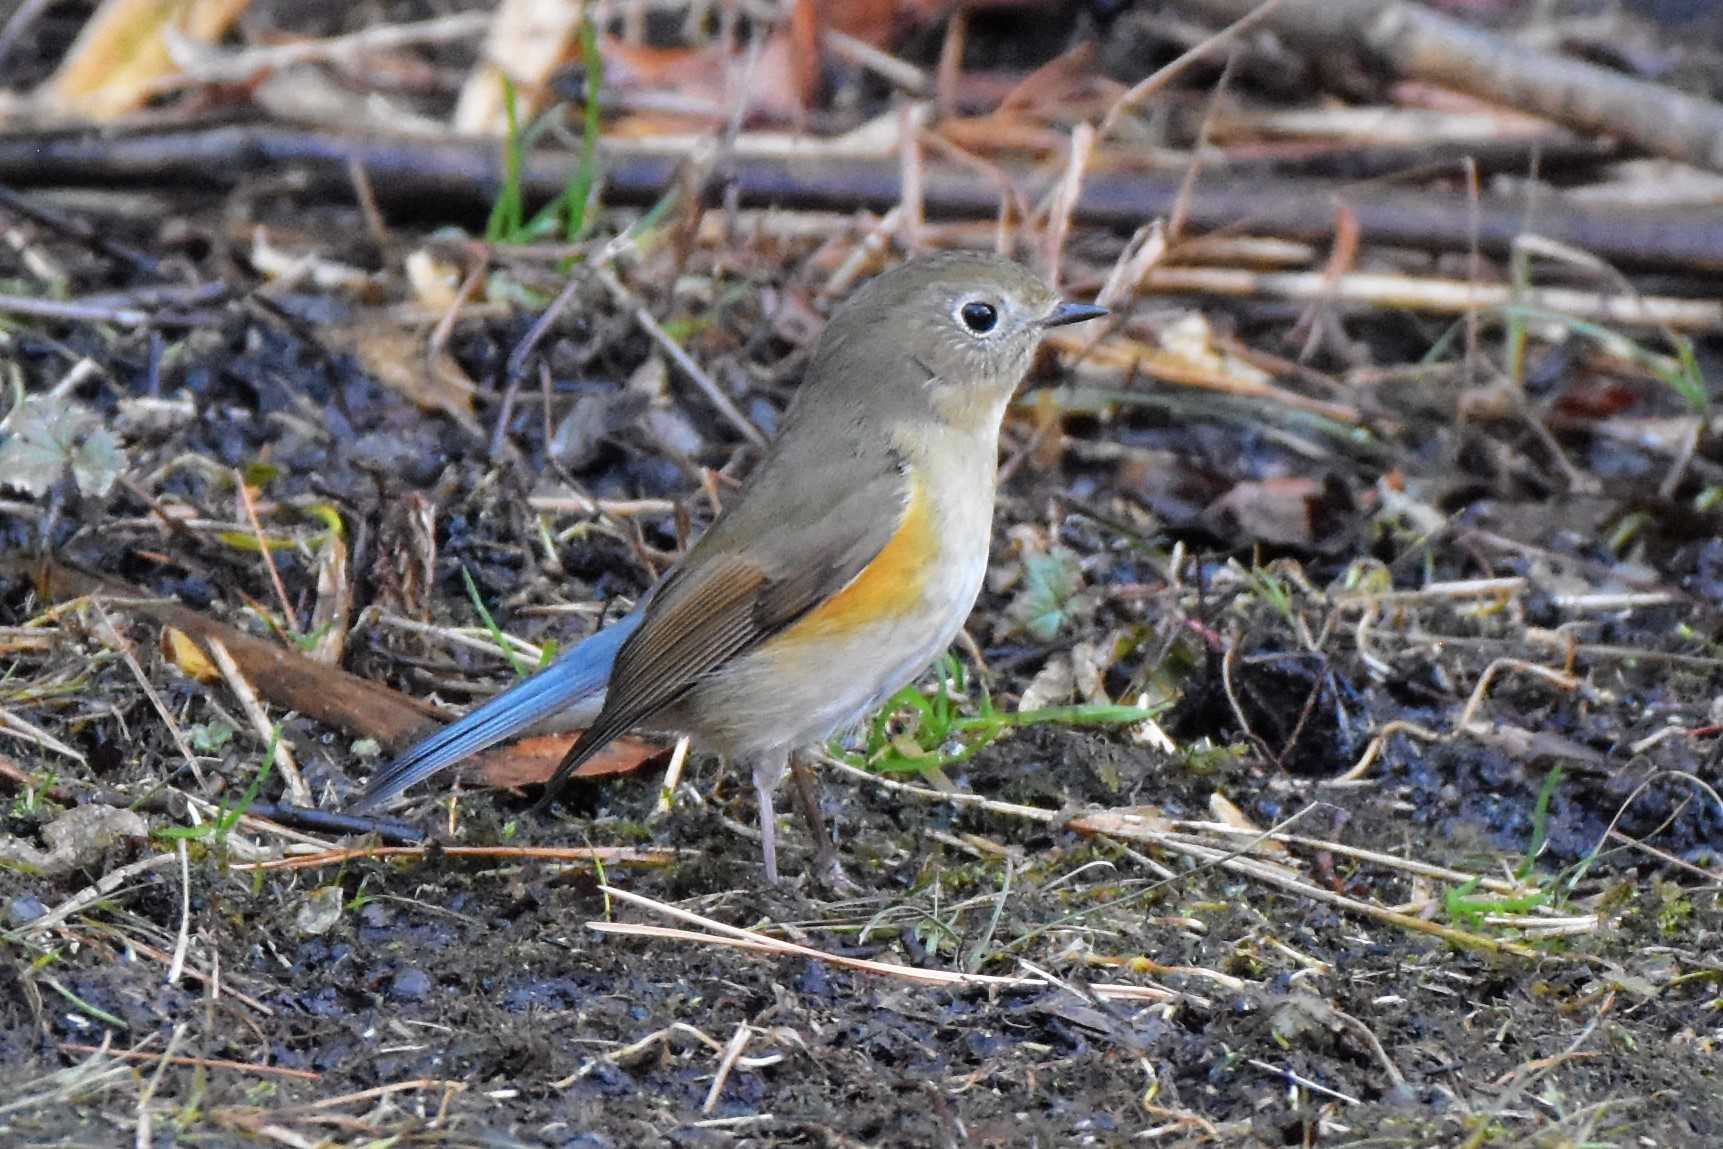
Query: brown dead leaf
<point x="1225" y="810"/>
<point x="802" y="41"/>
<point x="876" y="21"/>
<point x="696" y="73"/>
<point x="706" y="81"/>
<point x="1291" y="510"/>
<point x="334" y="610"/>
<point x="396" y="358"/>
<point x="1054" y="82"/>
<point x="533" y="760"/>
<point x="120" y="58"/>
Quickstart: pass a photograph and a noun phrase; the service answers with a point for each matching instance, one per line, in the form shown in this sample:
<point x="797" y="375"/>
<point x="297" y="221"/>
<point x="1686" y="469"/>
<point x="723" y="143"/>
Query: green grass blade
<point x="496" y="631"/>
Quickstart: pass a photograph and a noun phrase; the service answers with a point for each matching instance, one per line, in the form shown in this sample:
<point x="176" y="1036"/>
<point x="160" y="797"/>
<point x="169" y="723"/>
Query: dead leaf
<point x="702" y="82"/>
<point x="1225" y="810"/>
<point x="533" y="760"/>
<point x="436" y="282"/>
<point x="334" y="609"/>
<point x="695" y="73"/>
<point x="281" y="266"/>
<point x="1090" y="662"/>
<point x="878" y="22"/>
<point x="283" y="677"/>
<point x="120" y="58"/>
<point x="77" y="838"/>
<point x="802" y="42"/>
<point x="1052" y="685"/>
<point x="1056" y="82"/>
<point x="396" y="358"/>
<point x="593" y="419"/>
<point x="1291" y="510"/>
<point x="182" y="651"/>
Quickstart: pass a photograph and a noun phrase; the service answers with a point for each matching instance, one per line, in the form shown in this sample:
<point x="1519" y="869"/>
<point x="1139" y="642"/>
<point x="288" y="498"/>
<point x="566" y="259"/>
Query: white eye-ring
<point x="978" y="316"/>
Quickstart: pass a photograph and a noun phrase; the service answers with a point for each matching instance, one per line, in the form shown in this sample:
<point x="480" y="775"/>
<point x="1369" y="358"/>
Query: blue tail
<point x="579" y="676"/>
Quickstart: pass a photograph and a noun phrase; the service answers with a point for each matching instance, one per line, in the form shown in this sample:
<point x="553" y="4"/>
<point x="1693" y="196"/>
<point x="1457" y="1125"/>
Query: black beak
<point x="1072" y="313"/>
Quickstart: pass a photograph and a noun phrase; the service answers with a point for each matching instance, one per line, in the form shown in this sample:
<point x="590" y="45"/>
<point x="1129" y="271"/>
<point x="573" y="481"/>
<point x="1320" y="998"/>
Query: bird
<point x="848" y="562"/>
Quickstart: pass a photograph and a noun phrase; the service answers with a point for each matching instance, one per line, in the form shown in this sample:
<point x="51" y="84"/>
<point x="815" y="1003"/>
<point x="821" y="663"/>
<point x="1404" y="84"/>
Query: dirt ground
<point x="1442" y="614"/>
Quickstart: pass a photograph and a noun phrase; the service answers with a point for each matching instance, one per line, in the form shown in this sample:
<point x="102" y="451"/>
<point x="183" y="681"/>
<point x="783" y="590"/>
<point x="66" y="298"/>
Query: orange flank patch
<point x="892" y="584"/>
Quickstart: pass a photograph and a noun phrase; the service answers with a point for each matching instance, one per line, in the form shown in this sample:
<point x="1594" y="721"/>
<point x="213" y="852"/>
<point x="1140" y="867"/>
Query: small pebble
<point x="410" y="985"/>
<point x="24" y="909"/>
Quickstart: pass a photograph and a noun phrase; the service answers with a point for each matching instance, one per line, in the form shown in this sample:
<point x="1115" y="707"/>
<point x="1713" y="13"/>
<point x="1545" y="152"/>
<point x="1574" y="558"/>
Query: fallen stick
<point x="1417" y="42"/>
<point x="452" y="178"/>
<point x="354" y="705"/>
<point x="1439" y="296"/>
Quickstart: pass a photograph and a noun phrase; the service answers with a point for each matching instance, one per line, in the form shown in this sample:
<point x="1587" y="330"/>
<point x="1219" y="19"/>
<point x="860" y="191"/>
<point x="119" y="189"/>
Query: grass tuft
<point x="917" y="733"/>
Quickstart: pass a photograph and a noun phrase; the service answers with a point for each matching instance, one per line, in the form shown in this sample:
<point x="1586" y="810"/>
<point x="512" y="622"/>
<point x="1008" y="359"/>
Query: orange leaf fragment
<point x="533" y="760"/>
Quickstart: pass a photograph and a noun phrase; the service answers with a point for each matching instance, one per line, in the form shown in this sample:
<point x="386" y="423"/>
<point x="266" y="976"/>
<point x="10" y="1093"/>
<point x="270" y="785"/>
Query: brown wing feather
<point x="705" y="620"/>
<point x="718" y="604"/>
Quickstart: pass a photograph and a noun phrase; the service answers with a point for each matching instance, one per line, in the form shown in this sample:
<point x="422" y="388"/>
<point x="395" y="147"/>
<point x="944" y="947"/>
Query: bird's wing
<point x="776" y="556"/>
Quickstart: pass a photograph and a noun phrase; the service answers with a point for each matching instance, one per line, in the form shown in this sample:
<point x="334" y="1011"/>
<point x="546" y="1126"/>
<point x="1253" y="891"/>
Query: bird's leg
<point x="768" y="772"/>
<point x="805" y="788"/>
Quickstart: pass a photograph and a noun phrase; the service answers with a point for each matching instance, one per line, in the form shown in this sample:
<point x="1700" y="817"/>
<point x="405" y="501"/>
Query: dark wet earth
<point x="475" y="998"/>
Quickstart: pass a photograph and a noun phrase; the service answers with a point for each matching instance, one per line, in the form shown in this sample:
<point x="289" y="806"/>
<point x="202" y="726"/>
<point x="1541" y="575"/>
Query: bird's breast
<point x="894" y="584"/>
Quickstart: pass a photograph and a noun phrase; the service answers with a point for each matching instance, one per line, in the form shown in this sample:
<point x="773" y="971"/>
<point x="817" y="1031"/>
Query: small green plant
<point x="362" y="897"/>
<point x="1273" y="593"/>
<point x="1540" y="822"/>
<point x="1674" y="909"/>
<point x="506" y="224"/>
<point x="546" y="654"/>
<point x="307" y="642"/>
<point x="1681" y="372"/>
<point x="43" y="437"/>
<point x="490" y="624"/>
<point x="217" y="829"/>
<point x="1466" y="907"/>
<point x="82" y="1006"/>
<point x="577" y="198"/>
<point x="915" y="732"/>
<point x="210" y="737"/>
<point x="571" y="211"/>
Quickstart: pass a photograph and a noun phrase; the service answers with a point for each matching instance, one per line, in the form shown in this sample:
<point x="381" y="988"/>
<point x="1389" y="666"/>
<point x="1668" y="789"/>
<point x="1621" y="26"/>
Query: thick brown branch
<point x="456" y="178"/>
<point x="362" y="708"/>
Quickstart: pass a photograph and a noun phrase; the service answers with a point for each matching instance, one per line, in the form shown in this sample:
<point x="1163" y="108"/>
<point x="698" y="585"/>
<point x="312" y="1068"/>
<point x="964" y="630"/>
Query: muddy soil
<point x="1557" y="735"/>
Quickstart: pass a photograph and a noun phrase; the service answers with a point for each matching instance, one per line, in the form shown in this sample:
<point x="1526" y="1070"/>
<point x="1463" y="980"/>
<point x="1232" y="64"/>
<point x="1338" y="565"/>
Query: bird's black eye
<point x="979" y="317"/>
